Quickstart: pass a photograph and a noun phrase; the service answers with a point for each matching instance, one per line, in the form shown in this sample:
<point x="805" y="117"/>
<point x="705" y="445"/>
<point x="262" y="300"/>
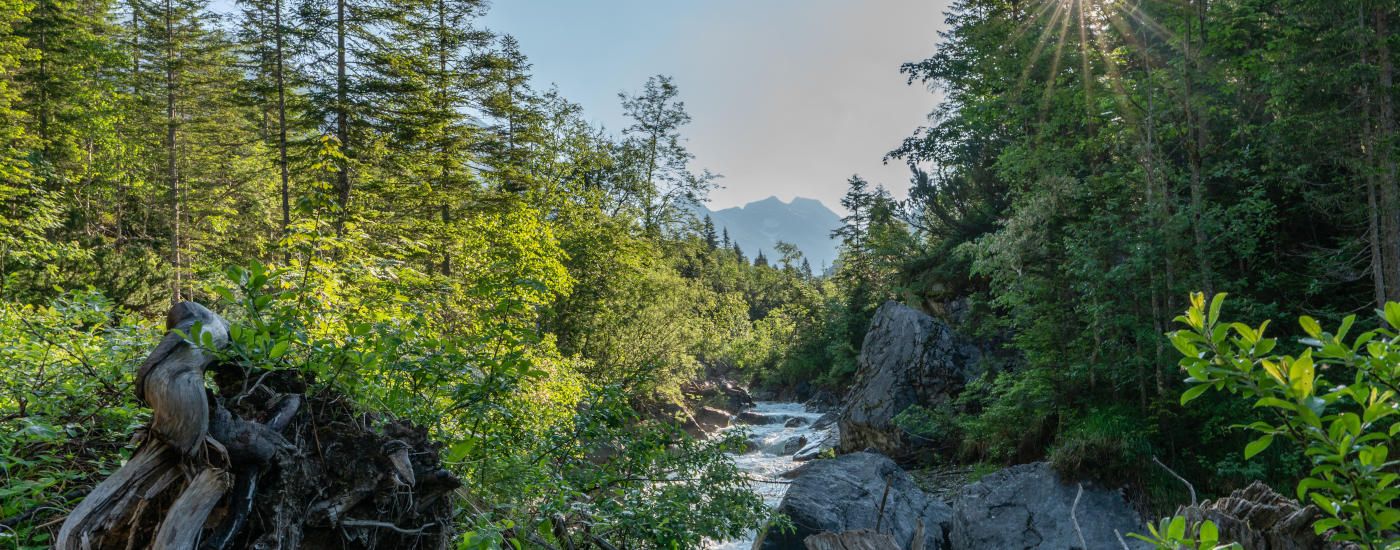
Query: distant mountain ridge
<point x="759" y="225"/>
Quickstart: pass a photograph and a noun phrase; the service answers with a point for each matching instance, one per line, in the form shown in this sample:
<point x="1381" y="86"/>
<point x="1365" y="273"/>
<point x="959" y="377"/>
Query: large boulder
<point x="907" y="358"/>
<point x="845" y="494"/>
<point x="1028" y="507"/>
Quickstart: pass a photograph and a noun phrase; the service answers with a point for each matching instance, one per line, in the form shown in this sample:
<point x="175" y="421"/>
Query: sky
<point x="788" y="97"/>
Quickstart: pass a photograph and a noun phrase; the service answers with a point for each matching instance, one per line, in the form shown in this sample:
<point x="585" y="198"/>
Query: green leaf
<point x="1257" y="446"/>
<point x="1209" y="532"/>
<point x="1310" y="326"/>
<point x="1300" y="374"/>
<point x="1193" y="392"/>
<point x="1276" y="403"/>
<point x="1215" y="304"/>
<point x="1177" y="529"/>
<point x="278" y="350"/>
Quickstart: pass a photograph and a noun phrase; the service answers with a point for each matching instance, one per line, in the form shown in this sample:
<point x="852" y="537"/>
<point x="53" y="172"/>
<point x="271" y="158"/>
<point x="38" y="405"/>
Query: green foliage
<point x="1336" y="400"/>
<point x="1008" y="419"/>
<point x="1175" y="533"/>
<point x="66" y="407"/>
<point x="1106" y="444"/>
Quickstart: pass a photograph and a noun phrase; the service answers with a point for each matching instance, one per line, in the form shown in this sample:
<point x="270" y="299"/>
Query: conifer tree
<point x="708" y="233"/>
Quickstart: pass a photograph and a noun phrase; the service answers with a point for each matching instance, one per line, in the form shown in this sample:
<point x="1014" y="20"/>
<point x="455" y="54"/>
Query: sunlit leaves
<point x="1347" y="430"/>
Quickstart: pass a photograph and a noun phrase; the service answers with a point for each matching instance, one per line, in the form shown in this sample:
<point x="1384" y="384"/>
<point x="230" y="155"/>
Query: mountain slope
<point x="759" y="225"/>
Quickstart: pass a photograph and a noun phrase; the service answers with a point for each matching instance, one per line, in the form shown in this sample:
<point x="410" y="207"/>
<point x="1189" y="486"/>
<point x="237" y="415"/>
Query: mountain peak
<point x="761" y="224"/>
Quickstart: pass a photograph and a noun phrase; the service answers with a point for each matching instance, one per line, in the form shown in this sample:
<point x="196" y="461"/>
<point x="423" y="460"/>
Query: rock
<point x="907" y="357"/>
<point x="711" y="419"/>
<point x="845" y="493"/>
<point x="759" y="419"/>
<point x="720" y="393"/>
<point x="1258" y="517"/>
<point x="1028" y="507"/>
<point x="813" y="449"/>
<point x="823" y="401"/>
<point x="826" y="420"/>
<point x="793" y="444"/>
<point x="794" y="422"/>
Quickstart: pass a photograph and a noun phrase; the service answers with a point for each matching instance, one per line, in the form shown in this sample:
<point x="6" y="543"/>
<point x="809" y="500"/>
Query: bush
<point x="65" y="403"/>
<point x="1336" y="399"/>
<point x="1008" y="420"/>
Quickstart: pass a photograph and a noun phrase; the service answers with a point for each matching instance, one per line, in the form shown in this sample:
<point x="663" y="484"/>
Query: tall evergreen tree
<point x="707" y="232"/>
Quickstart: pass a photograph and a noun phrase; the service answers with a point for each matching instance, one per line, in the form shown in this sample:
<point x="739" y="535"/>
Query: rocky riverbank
<point x="847" y="491"/>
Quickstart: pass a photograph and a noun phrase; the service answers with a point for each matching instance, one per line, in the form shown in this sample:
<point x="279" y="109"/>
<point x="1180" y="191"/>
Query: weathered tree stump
<point x="171" y="381"/>
<point x="206" y="476"/>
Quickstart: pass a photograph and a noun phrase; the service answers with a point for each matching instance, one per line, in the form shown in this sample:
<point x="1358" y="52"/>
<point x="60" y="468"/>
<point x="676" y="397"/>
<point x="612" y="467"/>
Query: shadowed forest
<point x="421" y="300"/>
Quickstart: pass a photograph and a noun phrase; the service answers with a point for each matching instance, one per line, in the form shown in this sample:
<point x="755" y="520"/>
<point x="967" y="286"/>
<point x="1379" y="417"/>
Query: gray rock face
<point x="1027" y="507"/>
<point x="844" y="494"/>
<point x="907" y="357"/>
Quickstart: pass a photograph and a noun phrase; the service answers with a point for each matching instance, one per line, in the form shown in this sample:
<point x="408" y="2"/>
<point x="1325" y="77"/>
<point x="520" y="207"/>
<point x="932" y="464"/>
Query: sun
<point x="1093" y="29"/>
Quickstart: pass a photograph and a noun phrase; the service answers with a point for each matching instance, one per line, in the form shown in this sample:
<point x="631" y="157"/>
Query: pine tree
<point x="516" y="128"/>
<point x="209" y="142"/>
<point x="760" y="260"/>
<point x="15" y="141"/>
<point x="268" y="42"/>
<point x="708" y="233"/>
<point x="424" y="82"/>
<point x="725" y="242"/>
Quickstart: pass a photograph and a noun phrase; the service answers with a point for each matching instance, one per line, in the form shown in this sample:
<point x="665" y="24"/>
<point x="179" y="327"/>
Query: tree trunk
<point x="1368" y="175"/>
<point x="342" y="117"/>
<point x="338" y="483"/>
<point x="171" y="172"/>
<point x="172" y="382"/>
<point x="1389" y="195"/>
<point x="282" y="119"/>
<point x="1195" y="147"/>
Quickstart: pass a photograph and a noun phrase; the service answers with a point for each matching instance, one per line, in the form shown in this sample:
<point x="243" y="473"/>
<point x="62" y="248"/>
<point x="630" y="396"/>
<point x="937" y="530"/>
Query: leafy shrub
<point x="1009" y="419"/>
<point x="1336" y="399"/>
<point x="938" y="426"/>
<point x="66" y="406"/>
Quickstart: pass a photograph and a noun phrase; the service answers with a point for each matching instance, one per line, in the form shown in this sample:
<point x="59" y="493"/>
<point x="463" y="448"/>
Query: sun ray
<point x="1040" y="43"/>
<point x="1054" y="66"/>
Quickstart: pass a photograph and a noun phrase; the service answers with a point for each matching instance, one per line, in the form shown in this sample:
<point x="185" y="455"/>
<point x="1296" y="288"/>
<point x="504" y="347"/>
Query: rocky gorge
<point x="833" y="471"/>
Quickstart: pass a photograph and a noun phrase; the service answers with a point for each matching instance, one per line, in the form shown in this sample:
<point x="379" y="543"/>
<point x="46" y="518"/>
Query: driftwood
<point x="209" y="475"/>
<point x="861" y="539"/>
<point x="171" y="381"/>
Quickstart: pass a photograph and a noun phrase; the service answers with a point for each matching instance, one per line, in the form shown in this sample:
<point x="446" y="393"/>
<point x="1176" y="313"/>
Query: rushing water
<point x="771" y="455"/>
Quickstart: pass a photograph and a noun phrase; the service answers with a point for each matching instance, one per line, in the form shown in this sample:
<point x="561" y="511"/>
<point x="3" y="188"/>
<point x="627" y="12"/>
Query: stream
<point x="771" y="454"/>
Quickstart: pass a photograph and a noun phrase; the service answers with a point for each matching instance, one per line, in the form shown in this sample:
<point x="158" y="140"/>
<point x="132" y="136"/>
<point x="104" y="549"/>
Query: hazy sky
<point x="788" y="97"/>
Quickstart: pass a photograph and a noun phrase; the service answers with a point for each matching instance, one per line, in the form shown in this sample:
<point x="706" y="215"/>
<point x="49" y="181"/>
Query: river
<point x="771" y="454"/>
